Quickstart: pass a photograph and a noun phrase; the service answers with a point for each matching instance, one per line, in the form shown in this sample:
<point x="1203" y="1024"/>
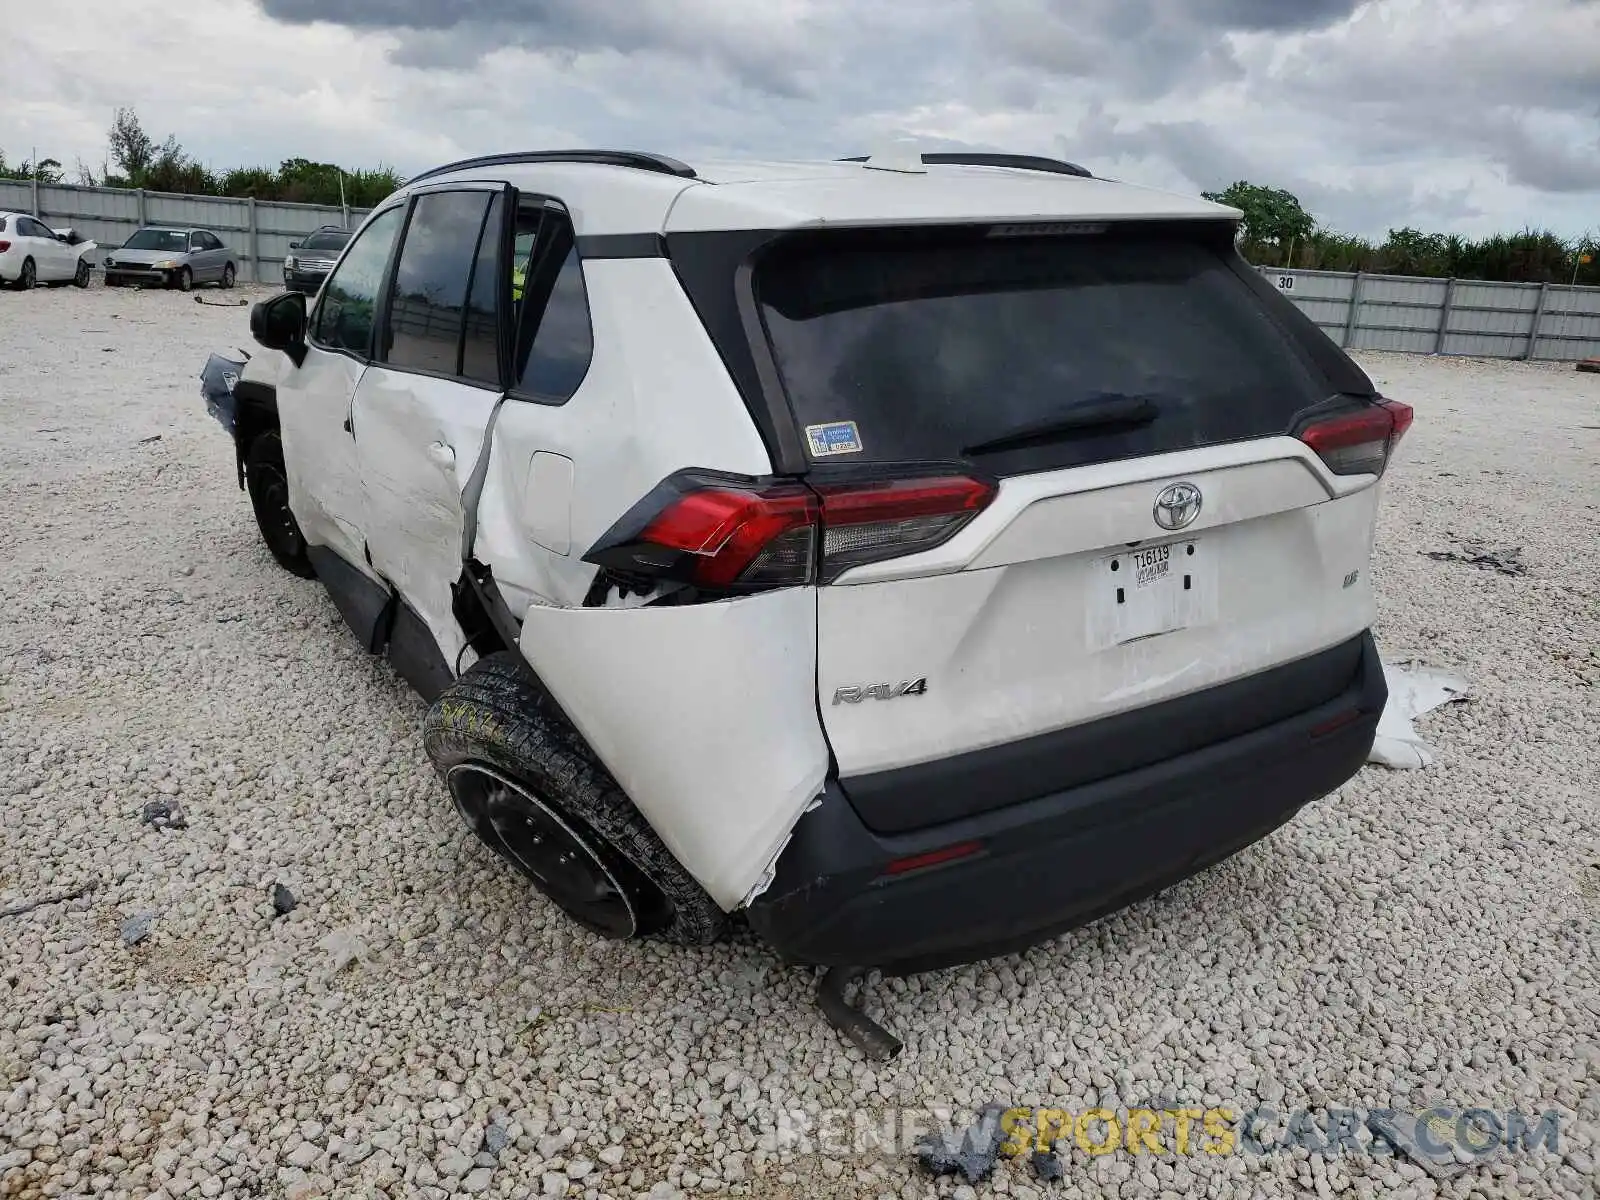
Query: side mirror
<point x="280" y="324"/>
<point x="294" y="245"/>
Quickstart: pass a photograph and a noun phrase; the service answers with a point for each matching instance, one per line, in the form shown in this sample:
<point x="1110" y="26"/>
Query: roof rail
<point x="659" y="163"/>
<point x="1017" y="162"/>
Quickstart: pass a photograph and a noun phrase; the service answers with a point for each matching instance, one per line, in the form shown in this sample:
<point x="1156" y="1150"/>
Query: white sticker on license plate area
<point x="1150" y="566"/>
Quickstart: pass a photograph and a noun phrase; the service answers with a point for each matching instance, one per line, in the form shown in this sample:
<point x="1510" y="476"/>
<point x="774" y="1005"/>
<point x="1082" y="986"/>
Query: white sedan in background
<point x="31" y="252"/>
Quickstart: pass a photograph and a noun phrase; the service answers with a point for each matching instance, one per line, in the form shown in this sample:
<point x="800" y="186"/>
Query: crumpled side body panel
<point x="705" y="714"/>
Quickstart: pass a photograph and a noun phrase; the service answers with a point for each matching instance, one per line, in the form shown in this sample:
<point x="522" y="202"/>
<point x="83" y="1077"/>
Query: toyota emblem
<point x="1177" y="506"/>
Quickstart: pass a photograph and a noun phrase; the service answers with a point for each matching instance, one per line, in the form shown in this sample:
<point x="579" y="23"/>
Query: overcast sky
<point x="1469" y="115"/>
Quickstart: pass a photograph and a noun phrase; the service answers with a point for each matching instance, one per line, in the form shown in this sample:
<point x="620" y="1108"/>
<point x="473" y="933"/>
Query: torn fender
<point x="706" y="715"/>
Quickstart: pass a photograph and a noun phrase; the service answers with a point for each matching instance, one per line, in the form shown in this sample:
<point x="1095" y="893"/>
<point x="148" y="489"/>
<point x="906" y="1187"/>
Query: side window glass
<point x="563" y="342"/>
<point x="344" y="318"/>
<point x="480" y="340"/>
<point x="430" y="282"/>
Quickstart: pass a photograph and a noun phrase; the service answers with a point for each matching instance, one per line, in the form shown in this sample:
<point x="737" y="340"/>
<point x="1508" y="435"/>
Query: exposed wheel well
<point x="255" y="412"/>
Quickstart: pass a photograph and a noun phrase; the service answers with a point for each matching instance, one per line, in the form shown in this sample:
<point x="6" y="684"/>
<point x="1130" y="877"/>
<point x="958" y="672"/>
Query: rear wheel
<point x="268" y="483"/>
<point x="81" y="277"/>
<point x="227" y="276"/>
<point x="533" y="792"/>
<point x="28" y="277"/>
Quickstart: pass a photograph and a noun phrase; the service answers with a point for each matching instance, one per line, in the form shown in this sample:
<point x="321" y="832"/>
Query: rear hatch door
<point x="1127" y="395"/>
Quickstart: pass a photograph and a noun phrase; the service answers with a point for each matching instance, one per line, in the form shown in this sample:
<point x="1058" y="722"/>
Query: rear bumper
<point x="1059" y="860"/>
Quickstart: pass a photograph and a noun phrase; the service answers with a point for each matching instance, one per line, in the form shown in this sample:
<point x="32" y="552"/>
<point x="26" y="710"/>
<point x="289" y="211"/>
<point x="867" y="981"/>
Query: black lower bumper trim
<point x="1060" y="860"/>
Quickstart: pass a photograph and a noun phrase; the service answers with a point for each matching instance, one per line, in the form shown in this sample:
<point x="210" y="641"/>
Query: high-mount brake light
<point x="746" y="537"/>
<point x="1361" y="442"/>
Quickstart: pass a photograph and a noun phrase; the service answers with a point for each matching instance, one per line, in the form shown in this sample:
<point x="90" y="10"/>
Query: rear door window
<point x="938" y="346"/>
<point x="431" y="281"/>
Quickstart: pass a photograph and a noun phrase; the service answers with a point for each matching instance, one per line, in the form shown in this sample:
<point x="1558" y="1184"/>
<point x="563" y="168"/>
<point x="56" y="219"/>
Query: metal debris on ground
<point x="1046" y="1167"/>
<point x="1438" y="1155"/>
<point x="18" y="910"/>
<point x="283" y="901"/>
<point x="1592" y="365"/>
<point x="164" y="814"/>
<point x="145" y="441"/>
<point x="1476" y="554"/>
<point x="972" y="1154"/>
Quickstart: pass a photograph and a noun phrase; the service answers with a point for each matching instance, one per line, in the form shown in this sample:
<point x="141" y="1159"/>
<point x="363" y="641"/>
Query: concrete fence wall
<point x="1448" y="316"/>
<point x="259" y="232"/>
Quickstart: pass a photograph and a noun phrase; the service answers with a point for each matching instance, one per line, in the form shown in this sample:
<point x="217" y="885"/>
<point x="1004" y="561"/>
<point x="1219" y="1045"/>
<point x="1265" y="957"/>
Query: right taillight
<point x="1360" y="442"/>
<point x="737" y="536"/>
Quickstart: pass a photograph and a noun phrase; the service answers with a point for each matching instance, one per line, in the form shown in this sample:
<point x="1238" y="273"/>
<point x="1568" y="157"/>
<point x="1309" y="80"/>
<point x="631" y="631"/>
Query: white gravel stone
<point x="1417" y="938"/>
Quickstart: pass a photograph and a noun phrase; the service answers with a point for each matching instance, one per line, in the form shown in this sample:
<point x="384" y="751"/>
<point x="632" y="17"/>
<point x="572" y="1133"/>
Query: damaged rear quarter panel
<point x="705" y="714"/>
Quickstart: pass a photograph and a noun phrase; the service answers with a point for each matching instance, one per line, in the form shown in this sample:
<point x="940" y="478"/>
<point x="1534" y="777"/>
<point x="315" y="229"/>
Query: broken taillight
<point x="729" y="535"/>
<point x="1360" y="442"/>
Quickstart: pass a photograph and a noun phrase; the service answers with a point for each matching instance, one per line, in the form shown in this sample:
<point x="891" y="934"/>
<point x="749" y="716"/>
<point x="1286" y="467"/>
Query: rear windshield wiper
<point x="1096" y="415"/>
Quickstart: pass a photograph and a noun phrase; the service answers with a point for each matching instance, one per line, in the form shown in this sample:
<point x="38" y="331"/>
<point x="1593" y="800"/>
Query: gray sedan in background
<point x="168" y="257"/>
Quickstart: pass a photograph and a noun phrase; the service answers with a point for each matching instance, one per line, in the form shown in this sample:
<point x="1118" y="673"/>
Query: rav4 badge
<point x="881" y="691"/>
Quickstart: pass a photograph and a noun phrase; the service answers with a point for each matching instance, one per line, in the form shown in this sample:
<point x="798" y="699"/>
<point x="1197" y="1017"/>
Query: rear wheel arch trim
<point x="255" y="413"/>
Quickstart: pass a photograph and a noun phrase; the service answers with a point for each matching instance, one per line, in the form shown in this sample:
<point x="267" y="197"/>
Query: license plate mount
<point x="1144" y="591"/>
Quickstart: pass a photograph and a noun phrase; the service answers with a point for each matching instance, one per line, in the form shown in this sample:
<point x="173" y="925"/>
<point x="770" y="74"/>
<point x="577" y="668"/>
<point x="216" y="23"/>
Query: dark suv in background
<point x="309" y="261"/>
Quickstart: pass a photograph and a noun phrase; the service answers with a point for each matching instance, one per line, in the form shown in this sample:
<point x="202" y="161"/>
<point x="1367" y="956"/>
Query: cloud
<point x="1470" y="115"/>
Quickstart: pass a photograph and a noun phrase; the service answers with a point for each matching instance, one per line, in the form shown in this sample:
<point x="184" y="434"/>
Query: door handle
<point x="442" y="455"/>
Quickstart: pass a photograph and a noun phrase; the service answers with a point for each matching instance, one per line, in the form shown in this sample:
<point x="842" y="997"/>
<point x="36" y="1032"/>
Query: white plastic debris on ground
<point x="1413" y="690"/>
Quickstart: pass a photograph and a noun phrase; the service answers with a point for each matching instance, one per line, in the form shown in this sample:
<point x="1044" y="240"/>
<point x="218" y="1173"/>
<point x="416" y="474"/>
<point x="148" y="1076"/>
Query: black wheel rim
<point x="569" y="866"/>
<point x="271" y="491"/>
<point x="27" y="276"/>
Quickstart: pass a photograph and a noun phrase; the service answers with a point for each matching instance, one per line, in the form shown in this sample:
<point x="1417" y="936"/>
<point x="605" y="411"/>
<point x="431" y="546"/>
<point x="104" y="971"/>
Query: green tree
<point x="1272" y="216"/>
<point x="132" y="149"/>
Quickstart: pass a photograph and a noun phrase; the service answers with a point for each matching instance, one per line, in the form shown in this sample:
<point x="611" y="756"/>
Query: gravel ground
<point x="422" y="1024"/>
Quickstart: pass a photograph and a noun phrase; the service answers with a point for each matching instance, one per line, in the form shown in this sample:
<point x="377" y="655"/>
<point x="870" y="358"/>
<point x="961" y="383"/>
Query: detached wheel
<point x="268" y="483"/>
<point x="527" y="785"/>
<point x="81" y="278"/>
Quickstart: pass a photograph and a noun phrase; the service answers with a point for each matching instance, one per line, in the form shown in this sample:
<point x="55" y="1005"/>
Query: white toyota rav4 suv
<point x="921" y="554"/>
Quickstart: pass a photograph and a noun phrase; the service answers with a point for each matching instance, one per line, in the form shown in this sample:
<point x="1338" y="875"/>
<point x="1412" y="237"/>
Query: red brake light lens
<point x="766" y="535"/>
<point x="747" y="538"/>
<point x="4" y="245"/>
<point x="1359" y="443"/>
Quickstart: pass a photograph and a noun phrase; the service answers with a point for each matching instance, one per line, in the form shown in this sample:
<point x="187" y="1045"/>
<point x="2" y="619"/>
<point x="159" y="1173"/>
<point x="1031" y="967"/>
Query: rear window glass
<point x="934" y="345"/>
<point x="325" y="241"/>
<point x="2" y="224"/>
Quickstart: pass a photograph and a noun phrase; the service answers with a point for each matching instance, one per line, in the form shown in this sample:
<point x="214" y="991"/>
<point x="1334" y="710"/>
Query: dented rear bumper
<point x="1035" y="869"/>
